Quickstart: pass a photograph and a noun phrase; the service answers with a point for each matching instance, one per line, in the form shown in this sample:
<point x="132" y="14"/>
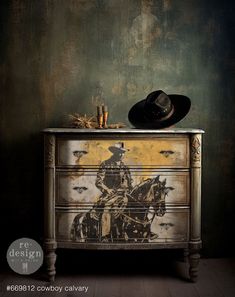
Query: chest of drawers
<point x="122" y="189"/>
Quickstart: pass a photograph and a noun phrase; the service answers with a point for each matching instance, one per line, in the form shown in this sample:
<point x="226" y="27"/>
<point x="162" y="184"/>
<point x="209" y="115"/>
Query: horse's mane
<point x="140" y="191"/>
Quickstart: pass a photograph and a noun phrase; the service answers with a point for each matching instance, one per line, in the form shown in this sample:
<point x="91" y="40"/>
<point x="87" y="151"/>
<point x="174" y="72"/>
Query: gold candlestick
<point x="105" y="116"/>
<point x="99" y="117"/>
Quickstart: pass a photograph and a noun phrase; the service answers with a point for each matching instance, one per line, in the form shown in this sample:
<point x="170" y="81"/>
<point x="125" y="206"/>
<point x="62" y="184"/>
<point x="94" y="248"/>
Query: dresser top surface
<point x="123" y="131"/>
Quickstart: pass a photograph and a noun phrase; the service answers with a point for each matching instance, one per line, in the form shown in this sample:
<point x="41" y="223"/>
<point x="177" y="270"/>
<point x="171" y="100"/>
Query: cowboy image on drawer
<point x="121" y="200"/>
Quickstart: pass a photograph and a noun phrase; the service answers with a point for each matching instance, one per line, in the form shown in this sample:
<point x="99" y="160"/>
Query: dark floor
<point x="166" y="278"/>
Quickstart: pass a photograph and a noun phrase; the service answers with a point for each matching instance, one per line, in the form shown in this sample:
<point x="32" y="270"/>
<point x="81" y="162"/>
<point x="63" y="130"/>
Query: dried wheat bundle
<point x="82" y="121"/>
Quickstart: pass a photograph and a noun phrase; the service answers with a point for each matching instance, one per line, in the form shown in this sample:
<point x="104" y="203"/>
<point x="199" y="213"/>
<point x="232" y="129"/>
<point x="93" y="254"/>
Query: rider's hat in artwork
<point x="159" y="110"/>
<point x="118" y="148"/>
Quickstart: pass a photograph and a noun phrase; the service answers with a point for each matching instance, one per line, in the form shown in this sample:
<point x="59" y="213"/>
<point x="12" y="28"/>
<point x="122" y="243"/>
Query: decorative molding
<point x="195" y="149"/>
<point x="197" y="245"/>
<point x="49" y="157"/>
<point x="50" y="244"/>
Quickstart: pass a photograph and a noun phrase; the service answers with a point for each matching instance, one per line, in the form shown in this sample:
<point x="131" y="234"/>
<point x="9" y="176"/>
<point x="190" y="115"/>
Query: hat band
<point x="162" y="118"/>
<point x="168" y="115"/>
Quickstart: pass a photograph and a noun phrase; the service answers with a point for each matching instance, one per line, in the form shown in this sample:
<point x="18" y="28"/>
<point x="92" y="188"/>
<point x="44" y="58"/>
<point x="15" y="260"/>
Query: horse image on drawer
<point x="73" y="225"/>
<point x="79" y="187"/>
<point x="122" y="215"/>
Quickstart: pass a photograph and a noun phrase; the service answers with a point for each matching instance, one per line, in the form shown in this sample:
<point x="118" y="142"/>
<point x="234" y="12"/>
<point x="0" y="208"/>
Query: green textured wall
<point x="59" y="57"/>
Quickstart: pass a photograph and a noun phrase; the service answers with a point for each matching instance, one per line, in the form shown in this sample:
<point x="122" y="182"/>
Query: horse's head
<point x="153" y="192"/>
<point x="157" y="194"/>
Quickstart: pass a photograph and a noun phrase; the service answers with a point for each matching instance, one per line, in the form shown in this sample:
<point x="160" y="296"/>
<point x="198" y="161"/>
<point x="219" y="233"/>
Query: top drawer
<point x="172" y="152"/>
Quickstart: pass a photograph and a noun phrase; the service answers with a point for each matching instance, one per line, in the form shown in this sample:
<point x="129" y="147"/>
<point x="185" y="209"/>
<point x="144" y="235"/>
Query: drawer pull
<point x="79" y="154"/>
<point x="80" y="189"/>
<point x="166" y="153"/>
<point x="166" y="226"/>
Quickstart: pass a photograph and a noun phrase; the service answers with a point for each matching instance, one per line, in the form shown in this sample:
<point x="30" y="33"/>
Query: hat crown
<point x="158" y="105"/>
<point x="117" y="147"/>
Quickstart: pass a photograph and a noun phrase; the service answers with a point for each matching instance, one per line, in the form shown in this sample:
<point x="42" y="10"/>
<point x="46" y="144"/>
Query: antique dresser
<point x="123" y="189"/>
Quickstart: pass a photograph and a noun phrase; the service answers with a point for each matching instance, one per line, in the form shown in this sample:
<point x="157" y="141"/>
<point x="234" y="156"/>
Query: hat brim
<point x="140" y="119"/>
<point x="114" y="149"/>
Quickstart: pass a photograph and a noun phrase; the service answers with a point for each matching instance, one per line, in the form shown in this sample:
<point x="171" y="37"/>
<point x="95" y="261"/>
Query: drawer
<point x="86" y="226"/>
<point x="172" y="227"/>
<point x="166" y="152"/>
<point x="79" y="188"/>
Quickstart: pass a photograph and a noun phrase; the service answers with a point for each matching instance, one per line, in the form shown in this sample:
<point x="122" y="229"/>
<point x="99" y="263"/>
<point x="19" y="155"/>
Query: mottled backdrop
<point x="59" y="57"/>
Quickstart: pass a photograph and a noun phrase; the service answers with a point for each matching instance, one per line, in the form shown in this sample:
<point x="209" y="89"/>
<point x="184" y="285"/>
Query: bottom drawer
<point x="173" y="226"/>
<point x="114" y="226"/>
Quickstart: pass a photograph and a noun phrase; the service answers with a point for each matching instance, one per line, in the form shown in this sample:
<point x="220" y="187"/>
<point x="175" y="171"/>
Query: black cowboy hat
<point x="159" y="110"/>
<point x="118" y="148"/>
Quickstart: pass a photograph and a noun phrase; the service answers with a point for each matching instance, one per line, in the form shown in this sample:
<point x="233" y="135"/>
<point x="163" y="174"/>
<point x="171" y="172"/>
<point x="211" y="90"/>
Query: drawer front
<point x="173" y="226"/>
<point x="155" y="152"/>
<point x="80" y="188"/>
<point x="98" y="226"/>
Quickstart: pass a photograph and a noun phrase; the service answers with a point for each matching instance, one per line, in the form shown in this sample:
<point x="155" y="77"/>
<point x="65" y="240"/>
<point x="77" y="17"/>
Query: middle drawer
<point x="87" y="187"/>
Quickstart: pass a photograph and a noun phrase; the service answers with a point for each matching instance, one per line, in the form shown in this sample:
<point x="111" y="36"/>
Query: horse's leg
<point x="118" y="225"/>
<point x="90" y="228"/>
<point x="82" y="231"/>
